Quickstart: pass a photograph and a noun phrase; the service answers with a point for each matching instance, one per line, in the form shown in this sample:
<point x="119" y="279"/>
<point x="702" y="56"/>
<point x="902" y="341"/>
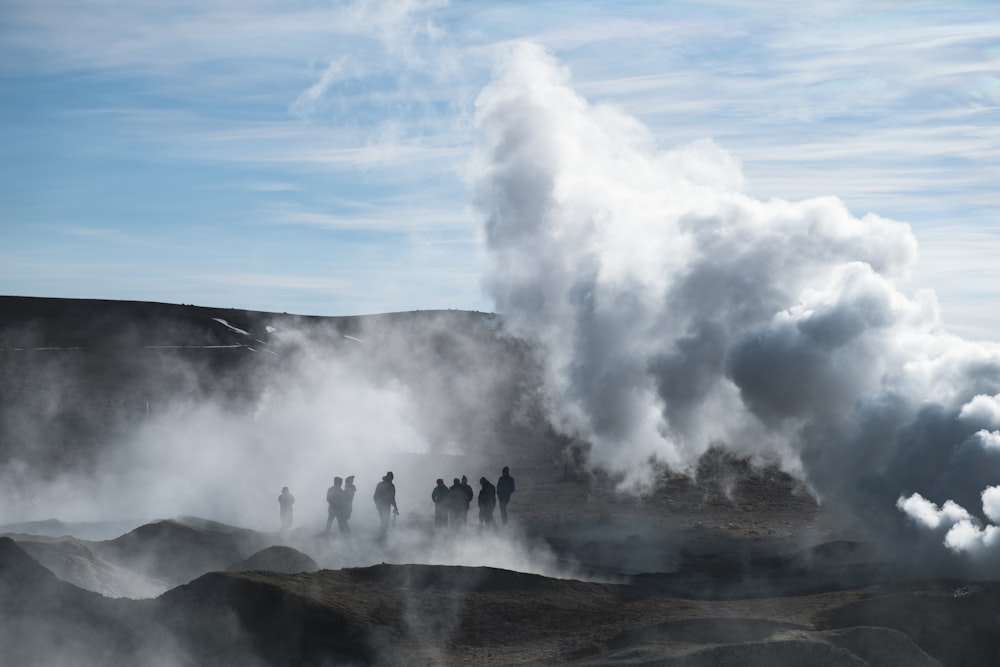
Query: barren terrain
<point x="719" y="597"/>
<point x="733" y="564"/>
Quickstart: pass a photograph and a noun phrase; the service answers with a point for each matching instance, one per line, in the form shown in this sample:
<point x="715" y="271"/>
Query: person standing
<point x="440" y="497"/>
<point x="505" y="489"/>
<point x="456" y="505"/>
<point x="285" y="502"/>
<point x="347" y="506"/>
<point x="487" y="502"/>
<point x="468" y="494"/>
<point x="385" y="500"/>
<point x="335" y="504"/>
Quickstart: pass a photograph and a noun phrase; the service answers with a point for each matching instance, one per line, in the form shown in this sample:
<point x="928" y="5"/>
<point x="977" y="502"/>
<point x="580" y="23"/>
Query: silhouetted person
<point x="505" y="489"/>
<point x="469" y="495"/>
<point x="335" y="505"/>
<point x="456" y="504"/>
<point x="385" y="499"/>
<point x="487" y="502"/>
<point x="285" y="502"/>
<point x="440" y="497"/>
<point x="348" y="505"/>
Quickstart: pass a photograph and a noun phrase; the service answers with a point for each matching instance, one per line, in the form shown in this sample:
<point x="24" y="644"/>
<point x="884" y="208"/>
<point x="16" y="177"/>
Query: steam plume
<point x="676" y="312"/>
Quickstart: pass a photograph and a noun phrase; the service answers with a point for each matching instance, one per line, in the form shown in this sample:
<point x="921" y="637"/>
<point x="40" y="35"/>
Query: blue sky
<point x="312" y="157"/>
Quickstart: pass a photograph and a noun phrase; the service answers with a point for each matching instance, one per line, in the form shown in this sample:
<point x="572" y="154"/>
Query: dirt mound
<point x="276" y="559"/>
<point x="460" y="579"/>
<point x="880" y="646"/>
<point x="804" y="650"/>
<point x="226" y="619"/>
<point x="408" y="614"/>
<point x="76" y="562"/>
<point x="953" y="622"/>
<point x="749" y="641"/>
<point x="455" y="615"/>
<point x="708" y="631"/>
<point x="45" y="621"/>
<point x="19" y="572"/>
<point x="177" y="553"/>
<point x="388" y="615"/>
<point x="88" y="530"/>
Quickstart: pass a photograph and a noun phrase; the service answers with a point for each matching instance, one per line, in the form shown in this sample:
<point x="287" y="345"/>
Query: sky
<point x="314" y="157"/>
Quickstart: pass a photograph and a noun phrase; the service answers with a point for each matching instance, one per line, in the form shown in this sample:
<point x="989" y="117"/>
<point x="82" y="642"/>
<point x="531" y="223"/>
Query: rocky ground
<point x="734" y="564"/>
<point x="735" y="567"/>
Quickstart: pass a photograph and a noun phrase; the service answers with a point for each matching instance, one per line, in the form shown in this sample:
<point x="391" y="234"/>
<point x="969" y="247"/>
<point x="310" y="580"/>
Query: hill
<point x="80" y="374"/>
<point x="415" y="614"/>
<point x="112" y="406"/>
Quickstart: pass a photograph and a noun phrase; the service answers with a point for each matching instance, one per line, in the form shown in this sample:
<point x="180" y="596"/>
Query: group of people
<point x="340" y="503"/>
<point x="451" y="504"/>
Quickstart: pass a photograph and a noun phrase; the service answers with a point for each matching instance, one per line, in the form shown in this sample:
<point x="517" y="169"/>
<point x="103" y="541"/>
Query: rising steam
<point x="676" y="312"/>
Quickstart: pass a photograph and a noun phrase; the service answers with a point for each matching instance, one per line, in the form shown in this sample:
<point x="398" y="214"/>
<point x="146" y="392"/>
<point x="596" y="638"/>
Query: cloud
<point x="305" y="104"/>
<point x="983" y="410"/>
<point x="388" y="220"/>
<point x="891" y="113"/>
<point x="962" y="532"/>
<point x="929" y="515"/>
<point x="617" y="256"/>
<point x="400" y="24"/>
<point x="169" y="35"/>
<point x="991" y="504"/>
<point x="676" y="312"/>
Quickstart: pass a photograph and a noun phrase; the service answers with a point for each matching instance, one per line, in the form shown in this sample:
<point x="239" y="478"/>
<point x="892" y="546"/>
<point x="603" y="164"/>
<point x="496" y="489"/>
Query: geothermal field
<point x="659" y="260"/>
<point x="144" y="447"/>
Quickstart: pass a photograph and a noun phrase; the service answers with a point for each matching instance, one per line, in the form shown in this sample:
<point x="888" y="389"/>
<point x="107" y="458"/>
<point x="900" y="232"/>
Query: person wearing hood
<point x="505" y="489"/>
<point x="385" y="500"/>
<point x="456" y="504"/>
<point x="487" y="502"/>
<point x="440" y="498"/>
<point x="347" y="506"/>
<point x="335" y="504"/>
<point x="469" y="495"/>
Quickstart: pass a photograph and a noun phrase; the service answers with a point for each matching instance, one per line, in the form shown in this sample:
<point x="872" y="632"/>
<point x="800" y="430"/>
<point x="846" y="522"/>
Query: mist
<point x="674" y="312"/>
<point x="201" y="457"/>
<point x="313" y="404"/>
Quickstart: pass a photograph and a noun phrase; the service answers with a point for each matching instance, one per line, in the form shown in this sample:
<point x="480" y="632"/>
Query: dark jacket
<point x="505" y="488"/>
<point x="487" y="494"/>
<point x="468" y="493"/>
<point x="456" y="498"/>
<point x="439" y="494"/>
<point x="385" y="494"/>
<point x="335" y="498"/>
<point x="347" y="500"/>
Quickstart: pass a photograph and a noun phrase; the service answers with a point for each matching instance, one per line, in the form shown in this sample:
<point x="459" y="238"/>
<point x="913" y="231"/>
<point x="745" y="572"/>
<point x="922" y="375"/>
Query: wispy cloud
<point x="890" y="106"/>
<point x="401" y="219"/>
<point x="305" y="104"/>
<point x="166" y="35"/>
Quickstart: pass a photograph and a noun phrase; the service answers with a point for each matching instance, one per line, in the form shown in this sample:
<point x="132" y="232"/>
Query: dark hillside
<point x="177" y="553"/>
<point x="77" y="373"/>
<point x="45" y="621"/>
<point x="425" y="614"/>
